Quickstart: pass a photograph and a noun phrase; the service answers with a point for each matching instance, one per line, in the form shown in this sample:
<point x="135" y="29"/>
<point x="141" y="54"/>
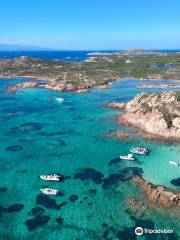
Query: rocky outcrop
<point x="138" y="207"/>
<point x="116" y="105"/>
<point x="158" y="115"/>
<point x="104" y="86"/>
<point x="28" y="85"/>
<point x="81" y="90"/>
<point x="158" y="193"/>
<point x="132" y="201"/>
<point x="118" y="134"/>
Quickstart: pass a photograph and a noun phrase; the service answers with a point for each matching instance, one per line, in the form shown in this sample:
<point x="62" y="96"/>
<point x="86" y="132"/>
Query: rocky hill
<point x="157" y="114"/>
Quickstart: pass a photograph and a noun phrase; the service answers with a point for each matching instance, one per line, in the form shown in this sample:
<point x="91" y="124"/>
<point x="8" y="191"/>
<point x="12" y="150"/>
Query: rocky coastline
<point x="157" y="193"/>
<point x="116" y="105"/>
<point x="157" y="115"/>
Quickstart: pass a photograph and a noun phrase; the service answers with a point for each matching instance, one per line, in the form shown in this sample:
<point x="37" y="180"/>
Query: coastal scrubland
<point x="97" y="70"/>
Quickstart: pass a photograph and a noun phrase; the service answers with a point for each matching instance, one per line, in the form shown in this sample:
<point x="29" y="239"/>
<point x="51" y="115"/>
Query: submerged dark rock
<point x="126" y="234"/>
<point x="14" y="208"/>
<point x="73" y="198"/>
<point x="114" y="161"/>
<point x="14" y="148"/>
<point x="60" y="220"/>
<point x="61" y="194"/>
<point x="104" y="225"/>
<point x="36" y="211"/>
<point x="175" y="182"/>
<point x="93" y="191"/>
<point x="129" y="172"/>
<point x="3" y="189"/>
<point x="124" y="175"/>
<point x="111" y="180"/>
<point x="36" y="222"/>
<point x="89" y="174"/>
<point x="46" y="201"/>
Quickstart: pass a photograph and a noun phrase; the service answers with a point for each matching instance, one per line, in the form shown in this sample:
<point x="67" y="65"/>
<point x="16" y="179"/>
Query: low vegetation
<point x="168" y="117"/>
<point x="99" y="70"/>
<point x="145" y="108"/>
<point x="177" y="96"/>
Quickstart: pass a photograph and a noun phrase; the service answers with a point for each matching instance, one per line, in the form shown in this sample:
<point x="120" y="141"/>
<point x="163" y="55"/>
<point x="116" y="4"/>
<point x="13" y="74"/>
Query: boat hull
<point x="54" y="180"/>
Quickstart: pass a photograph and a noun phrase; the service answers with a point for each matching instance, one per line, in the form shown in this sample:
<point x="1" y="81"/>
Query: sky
<point x="91" y="24"/>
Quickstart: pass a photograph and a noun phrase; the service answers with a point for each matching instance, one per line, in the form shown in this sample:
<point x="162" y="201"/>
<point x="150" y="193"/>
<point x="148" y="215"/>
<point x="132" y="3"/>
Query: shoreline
<point x="146" y="135"/>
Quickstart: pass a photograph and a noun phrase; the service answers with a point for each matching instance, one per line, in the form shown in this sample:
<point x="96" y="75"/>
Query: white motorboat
<point x="174" y="163"/>
<point x="49" y="191"/>
<point x="128" y="157"/>
<point x="139" y="150"/>
<point x="51" y="177"/>
<point x="60" y="99"/>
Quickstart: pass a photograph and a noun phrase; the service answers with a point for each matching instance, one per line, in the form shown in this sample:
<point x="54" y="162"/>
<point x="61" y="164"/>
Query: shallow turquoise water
<point x="39" y="136"/>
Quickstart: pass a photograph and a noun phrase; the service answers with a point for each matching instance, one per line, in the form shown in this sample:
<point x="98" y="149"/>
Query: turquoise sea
<point x="39" y="136"/>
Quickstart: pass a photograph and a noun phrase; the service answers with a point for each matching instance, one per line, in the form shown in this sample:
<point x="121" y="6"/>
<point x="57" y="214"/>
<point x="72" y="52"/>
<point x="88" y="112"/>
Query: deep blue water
<point x="56" y="55"/>
<point x="50" y="55"/>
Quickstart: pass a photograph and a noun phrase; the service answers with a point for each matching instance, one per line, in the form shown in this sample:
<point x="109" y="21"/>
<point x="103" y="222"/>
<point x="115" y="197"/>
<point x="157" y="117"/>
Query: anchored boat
<point x="49" y="191"/>
<point x="174" y="163"/>
<point x="60" y="99"/>
<point x="128" y="157"/>
<point x="51" y="177"/>
<point x="139" y="150"/>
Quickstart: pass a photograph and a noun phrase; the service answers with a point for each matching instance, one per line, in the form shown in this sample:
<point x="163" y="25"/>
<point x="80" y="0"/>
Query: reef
<point x="36" y="222"/>
<point x="36" y="211"/>
<point x="73" y="198"/>
<point x="124" y="174"/>
<point x="118" y="134"/>
<point x="89" y="174"/>
<point x="175" y="182"/>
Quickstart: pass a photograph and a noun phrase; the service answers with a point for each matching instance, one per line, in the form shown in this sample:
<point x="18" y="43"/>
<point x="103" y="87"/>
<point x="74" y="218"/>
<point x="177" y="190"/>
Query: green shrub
<point x="166" y="115"/>
<point x="177" y="96"/>
<point x="146" y="108"/>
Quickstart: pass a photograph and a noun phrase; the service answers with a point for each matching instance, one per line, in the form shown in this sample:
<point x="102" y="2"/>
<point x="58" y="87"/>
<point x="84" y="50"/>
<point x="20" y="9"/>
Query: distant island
<point x="97" y="71"/>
